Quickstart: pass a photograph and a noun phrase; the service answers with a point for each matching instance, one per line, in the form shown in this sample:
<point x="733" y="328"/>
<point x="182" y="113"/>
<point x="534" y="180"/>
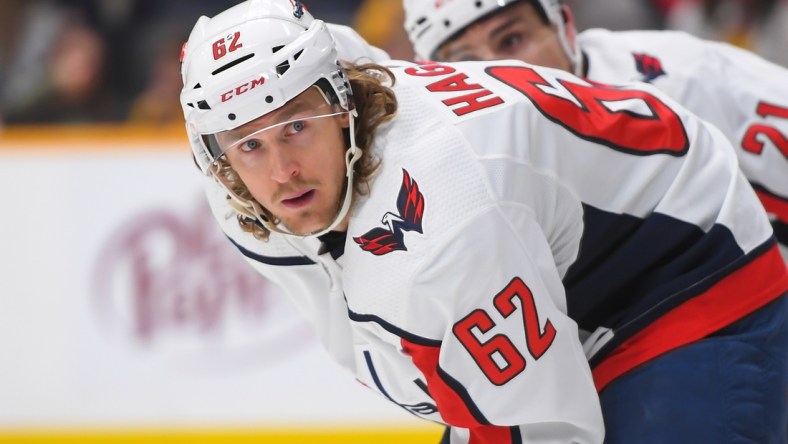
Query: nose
<point x="283" y="164"/>
<point x="477" y="39"/>
<point x="487" y="52"/>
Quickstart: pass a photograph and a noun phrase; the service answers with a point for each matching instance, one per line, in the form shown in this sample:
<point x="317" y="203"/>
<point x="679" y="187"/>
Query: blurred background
<point x="124" y="314"/>
<point x="87" y="61"/>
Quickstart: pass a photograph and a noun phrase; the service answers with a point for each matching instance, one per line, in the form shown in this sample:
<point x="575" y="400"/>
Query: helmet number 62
<point x="220" y="48"/>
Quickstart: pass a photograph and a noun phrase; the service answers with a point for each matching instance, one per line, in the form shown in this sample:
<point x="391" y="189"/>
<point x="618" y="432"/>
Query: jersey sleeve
<point x="747" y="98"/>
<point x="509" y="366"/>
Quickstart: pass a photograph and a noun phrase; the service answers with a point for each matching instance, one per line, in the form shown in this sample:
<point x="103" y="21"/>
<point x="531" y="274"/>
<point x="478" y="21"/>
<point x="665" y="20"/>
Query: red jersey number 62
<point x="510" y="361"/>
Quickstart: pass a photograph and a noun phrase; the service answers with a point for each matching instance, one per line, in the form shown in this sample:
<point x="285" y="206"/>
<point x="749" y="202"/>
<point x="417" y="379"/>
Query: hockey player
<point x="739" y="92"/>
<point x="446" y="228"/>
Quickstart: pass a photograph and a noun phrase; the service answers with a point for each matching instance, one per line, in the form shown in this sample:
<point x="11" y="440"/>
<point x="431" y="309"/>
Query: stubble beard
<point x="308" y="214"/>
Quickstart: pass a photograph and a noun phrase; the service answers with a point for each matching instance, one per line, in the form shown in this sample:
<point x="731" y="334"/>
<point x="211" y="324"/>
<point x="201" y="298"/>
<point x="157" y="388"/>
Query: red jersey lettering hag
<point x="512" y="205"/>
<point x="742" y="94"/>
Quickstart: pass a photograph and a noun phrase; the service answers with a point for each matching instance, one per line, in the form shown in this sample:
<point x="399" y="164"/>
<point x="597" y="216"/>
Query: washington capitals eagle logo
<point x="649" y="66"/>
<point x="410" y="204"/>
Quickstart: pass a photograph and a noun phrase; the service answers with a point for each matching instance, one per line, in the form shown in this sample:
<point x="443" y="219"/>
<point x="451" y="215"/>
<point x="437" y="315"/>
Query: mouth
<point x="299" y="200"/>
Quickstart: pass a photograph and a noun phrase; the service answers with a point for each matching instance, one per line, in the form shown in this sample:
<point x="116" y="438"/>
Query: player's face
<point x="515" y="33"/>
<point x="295" y="169"/>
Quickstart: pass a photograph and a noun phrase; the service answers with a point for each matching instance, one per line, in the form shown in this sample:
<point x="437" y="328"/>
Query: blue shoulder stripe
<point x="285" y="261"/>
<point x="396" y="331"/>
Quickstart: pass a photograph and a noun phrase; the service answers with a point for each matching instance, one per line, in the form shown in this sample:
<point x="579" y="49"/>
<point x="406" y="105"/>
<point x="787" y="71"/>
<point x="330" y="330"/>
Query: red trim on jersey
<point x="451" y="406"/>
<point x="774" y="205"/>
<point x="737" y="295"/>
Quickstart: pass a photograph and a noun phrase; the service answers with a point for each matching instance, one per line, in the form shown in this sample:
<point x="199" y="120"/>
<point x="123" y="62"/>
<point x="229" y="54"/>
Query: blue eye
<point x="250" y="145"/>
<point x="298" y="126"/>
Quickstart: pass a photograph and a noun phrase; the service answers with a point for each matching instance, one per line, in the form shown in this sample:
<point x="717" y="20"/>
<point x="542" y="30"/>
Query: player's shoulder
<point x="480" y="100"/>
<point x="687" y="59"/>
<point x="465" y="91"/>
<point x="636" y="37"/>
<point x="429" y="163"/>
<point x="354" y="48"/>
<point x="666" y="56"/>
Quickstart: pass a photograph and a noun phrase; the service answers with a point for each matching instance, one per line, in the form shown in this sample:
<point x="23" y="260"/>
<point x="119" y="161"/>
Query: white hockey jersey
<point x="744" y="95"/>
<point x="514" y="203"/>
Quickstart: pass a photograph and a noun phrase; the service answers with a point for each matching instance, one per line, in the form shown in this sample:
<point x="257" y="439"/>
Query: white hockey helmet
<point x="249" y="61"/>
<point x="431" y="23"/>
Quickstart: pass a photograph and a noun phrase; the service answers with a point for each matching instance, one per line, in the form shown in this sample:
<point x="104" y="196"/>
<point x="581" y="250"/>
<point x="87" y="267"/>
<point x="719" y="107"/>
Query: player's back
<point x="638" y="207"/>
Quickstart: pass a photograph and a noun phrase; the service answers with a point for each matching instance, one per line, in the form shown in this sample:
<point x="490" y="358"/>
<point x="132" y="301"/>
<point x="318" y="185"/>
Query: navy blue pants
<point x="731" y="387"/>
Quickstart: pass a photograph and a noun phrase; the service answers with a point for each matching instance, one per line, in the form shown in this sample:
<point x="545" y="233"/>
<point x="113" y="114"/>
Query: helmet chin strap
<point x="253" y="210"/>
<point x="352" y="155"/>
<point x="572" y="51"/>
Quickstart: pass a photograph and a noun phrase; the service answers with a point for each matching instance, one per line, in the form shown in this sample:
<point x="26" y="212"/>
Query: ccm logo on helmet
<point x="238" y="90"/>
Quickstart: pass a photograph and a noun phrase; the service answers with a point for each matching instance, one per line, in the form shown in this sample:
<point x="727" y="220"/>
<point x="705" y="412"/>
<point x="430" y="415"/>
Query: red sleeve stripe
<point x="737" y="295"/>
<point x="454" y="404"/>
<point x="452" y="408"/>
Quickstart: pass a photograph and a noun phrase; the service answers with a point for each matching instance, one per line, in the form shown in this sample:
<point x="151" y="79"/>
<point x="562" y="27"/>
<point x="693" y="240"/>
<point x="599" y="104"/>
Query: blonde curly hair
<point x="375" y="103"/>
